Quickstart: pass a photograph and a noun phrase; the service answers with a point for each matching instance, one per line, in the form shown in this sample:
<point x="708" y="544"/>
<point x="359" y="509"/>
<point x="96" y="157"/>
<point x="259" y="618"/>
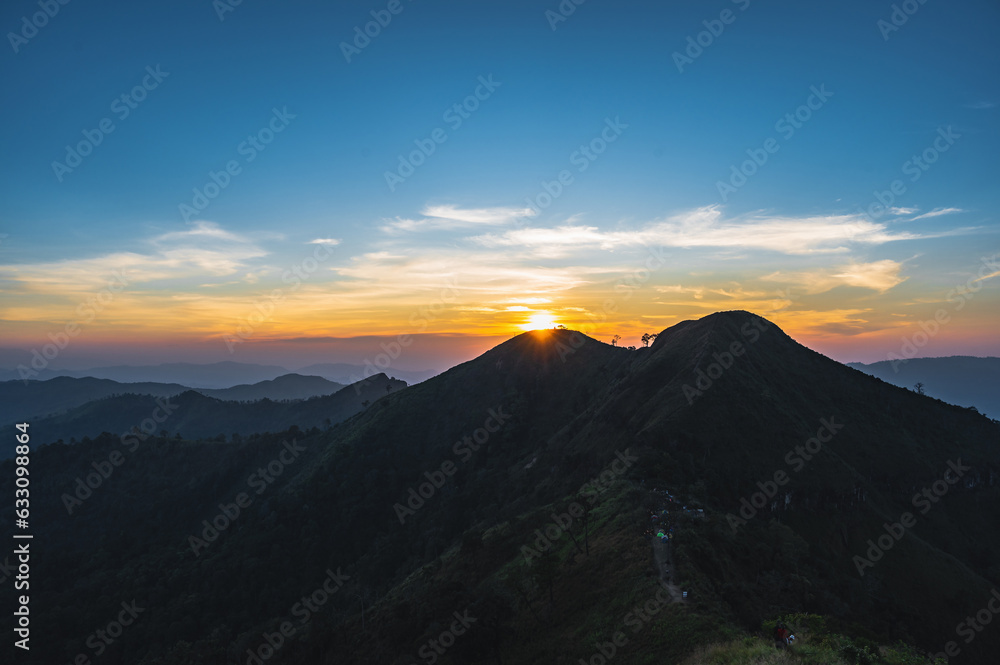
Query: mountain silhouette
<point x="519" y="486"/>
<point x="192" y="414"/>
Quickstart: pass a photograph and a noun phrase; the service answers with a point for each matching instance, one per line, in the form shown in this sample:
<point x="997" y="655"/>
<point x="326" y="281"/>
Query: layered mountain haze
<point x="517" y="489"/>
<point x="963" y="380"/>
<point x="30" y="399"/>
<point x="218" y="376"/>
<point x="235" y="412"/>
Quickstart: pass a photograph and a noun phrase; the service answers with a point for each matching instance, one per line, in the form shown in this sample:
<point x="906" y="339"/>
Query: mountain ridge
<point x="569" y="405"/>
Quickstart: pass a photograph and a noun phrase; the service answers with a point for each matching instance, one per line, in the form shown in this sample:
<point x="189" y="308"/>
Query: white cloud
<point x="452" y="217"/>
<point x="937" y="212"/>
<point x="706" y="227"/>
<point x="325" y="241"/>
<point x="204" y="249"/>
<point x="878" y="276"/>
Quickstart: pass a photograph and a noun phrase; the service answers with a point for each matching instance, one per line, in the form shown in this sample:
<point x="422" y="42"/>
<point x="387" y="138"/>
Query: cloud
<point x="985" y="277"/>
<point x="980" y="106"/>
<point x="878" y="276"/>
<point x="204" y="249"/>
<point x="937" y="212"/>
<point x="706" y="227"/>
<point x="388" y="274"/>
<point x="437" y="217"/>
<point x="325" y="241"/>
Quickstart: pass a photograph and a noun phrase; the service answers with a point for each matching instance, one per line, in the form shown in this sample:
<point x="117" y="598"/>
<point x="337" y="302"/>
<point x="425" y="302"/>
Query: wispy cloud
<point x="325" y="241"/>
<point x="203" y="249"/>
<point x="436" y="217"/>
<point x="937" y="212"/>
<point x="878" y="276"/>
<point x="706" y="227"/>
<point x="981" y="106"/>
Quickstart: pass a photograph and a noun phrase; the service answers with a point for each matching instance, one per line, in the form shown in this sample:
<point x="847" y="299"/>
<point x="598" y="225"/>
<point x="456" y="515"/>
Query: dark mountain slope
<point x="194" y="415"/>
<point x="423" y="520"/>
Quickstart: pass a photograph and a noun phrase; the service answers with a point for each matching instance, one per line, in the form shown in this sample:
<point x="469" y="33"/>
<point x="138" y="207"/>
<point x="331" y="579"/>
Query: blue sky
<point x="323" y="178"/>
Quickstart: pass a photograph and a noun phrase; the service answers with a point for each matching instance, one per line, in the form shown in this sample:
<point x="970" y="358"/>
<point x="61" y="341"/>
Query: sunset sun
<point x="539" y="321"/>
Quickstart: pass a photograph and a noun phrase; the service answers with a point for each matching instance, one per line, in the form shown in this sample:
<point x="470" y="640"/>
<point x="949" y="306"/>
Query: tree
<point x="614" y="340"/>
<point x="647" y="338"/>
<point x="920" y="387"/>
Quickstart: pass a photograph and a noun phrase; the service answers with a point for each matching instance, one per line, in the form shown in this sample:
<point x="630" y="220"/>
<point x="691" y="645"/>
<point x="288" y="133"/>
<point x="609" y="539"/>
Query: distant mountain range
<point x="223" y="374"/>
<point x="962" y="380"/>
<point x="346" y="373"/>
<point x="25" y="401"/>
<point x="194" y="415"/>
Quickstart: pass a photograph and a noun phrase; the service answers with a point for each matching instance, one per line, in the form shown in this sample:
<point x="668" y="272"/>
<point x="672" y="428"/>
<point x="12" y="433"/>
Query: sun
<point x="539" y="321"/>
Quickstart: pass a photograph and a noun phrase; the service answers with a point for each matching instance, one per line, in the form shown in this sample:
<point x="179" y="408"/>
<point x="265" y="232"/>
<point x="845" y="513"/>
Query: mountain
<point x="347" y="373"/>
<point x="212" y="375"/>
<point x="963" y="380"/>
<point x="501" y="512"/>
<point x="287" y="387"/>
<point x="199" y="416"/>
<point x="27" y="400"/>
<point x="20" y="400"/>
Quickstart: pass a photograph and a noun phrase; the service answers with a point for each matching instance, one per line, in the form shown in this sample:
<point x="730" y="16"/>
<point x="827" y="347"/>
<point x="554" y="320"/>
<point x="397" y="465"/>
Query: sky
<point x="301" y="182"/>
